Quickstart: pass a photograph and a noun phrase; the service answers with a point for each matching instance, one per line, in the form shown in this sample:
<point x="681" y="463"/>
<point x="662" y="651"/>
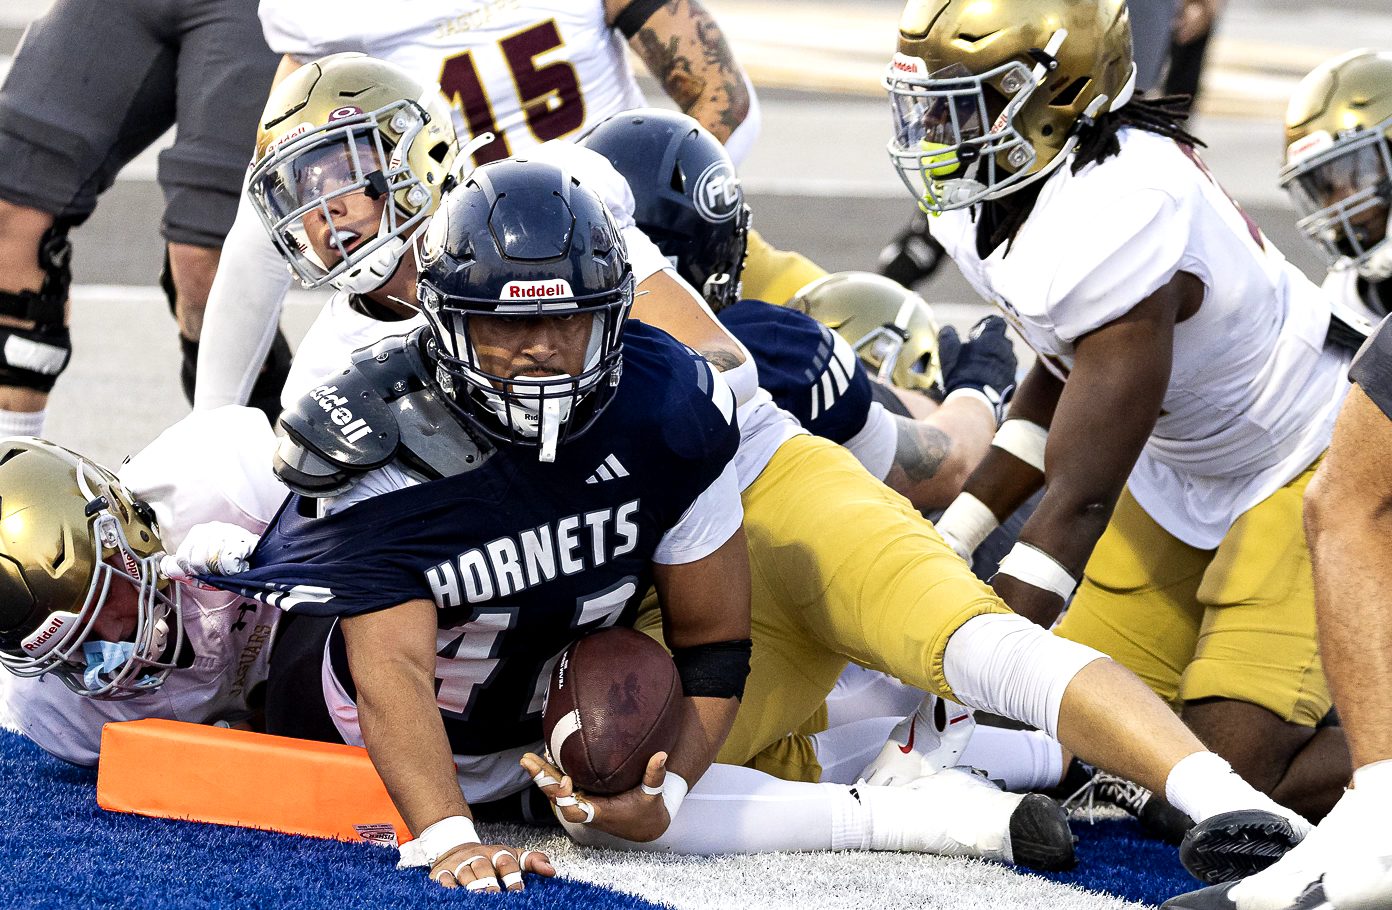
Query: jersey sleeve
<point x="712" y="519"/>
<point x="306" y="29"/>
<point x="874" y="446"/>
<point x="700" y="435"/>
<point x="211" y="466"/>
<point x="1102" y="270"/>
<point x="810" y="371"/>
<point x="1372" y="367"/>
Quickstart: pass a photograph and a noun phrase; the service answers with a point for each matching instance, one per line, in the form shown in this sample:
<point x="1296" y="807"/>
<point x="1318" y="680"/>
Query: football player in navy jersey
<point x="499" y="491"/>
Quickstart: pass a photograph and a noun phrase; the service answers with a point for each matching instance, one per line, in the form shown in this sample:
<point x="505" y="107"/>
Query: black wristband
<point x="714" y="670"/>
<point x="635" y="16"/>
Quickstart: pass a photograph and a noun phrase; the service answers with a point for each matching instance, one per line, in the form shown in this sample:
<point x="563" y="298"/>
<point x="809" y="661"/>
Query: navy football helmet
<point x="524" y="240"/>
<point x="686" y="196"/>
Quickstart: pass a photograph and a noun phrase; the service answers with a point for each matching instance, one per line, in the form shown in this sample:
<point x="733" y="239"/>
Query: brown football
<point x="613" y="702"/>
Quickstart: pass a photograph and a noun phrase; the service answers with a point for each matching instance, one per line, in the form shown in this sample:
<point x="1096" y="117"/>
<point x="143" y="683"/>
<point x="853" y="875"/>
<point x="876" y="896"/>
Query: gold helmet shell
<point x="1338" y="159"/>
<point x="891" y="329"/>
<point x="343" y="124"/>
<point x="69" y="531"/>
<point x="989" y="95"/>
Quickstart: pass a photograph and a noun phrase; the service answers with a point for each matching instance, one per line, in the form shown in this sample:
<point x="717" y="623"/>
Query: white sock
<point x="1024" y="759"/>
<point x="844" y="751"/>
<point x="1202" y="785"/>
<point x="740" y="810"/>
<point x="22" y="423"/>
<point x="1376" y="779"/>
<point x="860" y="694"/>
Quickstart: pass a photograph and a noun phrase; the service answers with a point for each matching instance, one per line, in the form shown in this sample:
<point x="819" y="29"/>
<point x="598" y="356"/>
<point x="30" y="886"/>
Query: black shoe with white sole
<point x="1234" y="845"/>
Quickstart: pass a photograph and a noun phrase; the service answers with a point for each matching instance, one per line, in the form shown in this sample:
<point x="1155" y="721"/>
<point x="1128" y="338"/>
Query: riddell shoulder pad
<point x="345" y="427"/>
<point x="381" y="409"/>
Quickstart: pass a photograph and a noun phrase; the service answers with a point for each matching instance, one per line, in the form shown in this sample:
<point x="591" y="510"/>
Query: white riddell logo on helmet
<point x="903" y="63"/>
<point x="1306" y="146"/>
<point x="352" y="428"/>
<point x="37" y="640"/>
<point x="536" y="290"/>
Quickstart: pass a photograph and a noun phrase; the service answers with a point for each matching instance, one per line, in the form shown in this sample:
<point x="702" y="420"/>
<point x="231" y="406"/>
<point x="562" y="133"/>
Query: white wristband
<point x="974" y="395"/>
<point x="674" y="788"/>
<point x="1024" y="439"/>
<point x="437" y="840"/>
<point x="966" y="523"/>
<point x="1035" y="567"/>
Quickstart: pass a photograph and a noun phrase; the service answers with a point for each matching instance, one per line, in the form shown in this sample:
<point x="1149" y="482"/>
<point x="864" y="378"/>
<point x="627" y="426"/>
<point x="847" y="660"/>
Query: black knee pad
<point x="33" y="358"/>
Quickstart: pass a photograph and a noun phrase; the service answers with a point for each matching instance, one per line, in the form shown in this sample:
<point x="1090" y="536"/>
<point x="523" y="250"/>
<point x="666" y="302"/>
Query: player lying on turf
<point x="89" y="624"/>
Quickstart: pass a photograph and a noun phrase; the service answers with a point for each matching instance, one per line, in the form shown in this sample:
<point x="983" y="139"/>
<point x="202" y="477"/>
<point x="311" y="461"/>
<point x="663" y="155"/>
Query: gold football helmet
<point x="69" y="535"/>
<point x="891" y="329"/>
<point x="1338" y="162"/>
<point x="989" y="95"/>
<point x="349" y="124"/>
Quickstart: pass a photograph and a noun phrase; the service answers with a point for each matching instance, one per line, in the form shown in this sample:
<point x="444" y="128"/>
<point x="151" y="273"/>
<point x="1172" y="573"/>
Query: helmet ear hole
<point x="1070" y="92"/>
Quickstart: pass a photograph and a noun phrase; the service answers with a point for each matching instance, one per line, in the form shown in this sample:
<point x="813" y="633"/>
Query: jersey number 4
<point x="468" y="656"/>
<point x="549" y="95"/>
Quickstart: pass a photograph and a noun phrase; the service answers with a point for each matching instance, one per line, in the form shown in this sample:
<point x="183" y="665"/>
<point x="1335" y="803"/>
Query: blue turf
<point x="1114" y="857"/>
<point x="59" y="851"/>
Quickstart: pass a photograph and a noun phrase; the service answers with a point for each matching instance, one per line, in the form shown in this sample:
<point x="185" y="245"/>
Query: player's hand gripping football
<point x="638" y="815"/>
<point x="489" y="868"/>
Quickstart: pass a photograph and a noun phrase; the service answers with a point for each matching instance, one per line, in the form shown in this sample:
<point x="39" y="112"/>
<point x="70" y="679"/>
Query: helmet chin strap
<point x="375" y="269"/>
<point x="1378" y="266"/>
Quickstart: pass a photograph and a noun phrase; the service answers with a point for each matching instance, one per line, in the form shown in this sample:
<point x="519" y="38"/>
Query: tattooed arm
<point x="934" y="455"/>
<point x="683" y="47"/>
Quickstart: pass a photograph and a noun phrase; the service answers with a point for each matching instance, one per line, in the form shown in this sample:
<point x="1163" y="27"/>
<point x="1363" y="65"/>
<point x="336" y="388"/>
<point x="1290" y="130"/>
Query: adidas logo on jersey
<point x="610" y="469"/>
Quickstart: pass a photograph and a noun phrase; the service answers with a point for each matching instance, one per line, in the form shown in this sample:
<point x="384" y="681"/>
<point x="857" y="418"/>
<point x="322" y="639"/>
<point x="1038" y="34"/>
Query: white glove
<point x="215" y="547"/>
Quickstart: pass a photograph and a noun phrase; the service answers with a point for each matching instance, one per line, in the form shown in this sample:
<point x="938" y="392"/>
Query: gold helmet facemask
<point x="986" y="120"/>
<point x="66" y="540"/>
<point x="1338" y="162"/>
<point x="890" y="328"/>
<point x="309" y="155"/>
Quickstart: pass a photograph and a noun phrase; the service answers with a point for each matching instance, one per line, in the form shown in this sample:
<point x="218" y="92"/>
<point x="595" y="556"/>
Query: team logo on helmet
<point x="342" y="113"/>
<point x="717" y="194"/>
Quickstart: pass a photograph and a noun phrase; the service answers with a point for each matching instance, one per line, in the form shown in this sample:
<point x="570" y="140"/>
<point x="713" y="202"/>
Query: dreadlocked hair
<point x="1162" y="116"/>
<point x="1003" y="218"/>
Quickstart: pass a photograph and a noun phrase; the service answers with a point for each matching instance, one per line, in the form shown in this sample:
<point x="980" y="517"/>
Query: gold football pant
<point x="1237" y="622"/>
<point x="775" y="275"/>
<point x="843" y="569"/>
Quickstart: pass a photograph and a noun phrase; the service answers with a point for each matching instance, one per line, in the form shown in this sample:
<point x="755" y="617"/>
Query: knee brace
<point x="1005" y="664"/>
<point x="32" y="358"/>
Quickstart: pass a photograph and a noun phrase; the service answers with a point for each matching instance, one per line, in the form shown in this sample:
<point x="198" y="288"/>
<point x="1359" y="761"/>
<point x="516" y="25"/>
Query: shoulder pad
<point x="378" y="410"/>
<point x="345" y="427"/>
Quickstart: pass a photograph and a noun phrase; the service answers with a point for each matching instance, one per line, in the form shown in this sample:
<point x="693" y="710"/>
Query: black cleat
<point x="1158" y="818"/>
<point x="1234" y="845"/>
<point x="1039" y="835"/>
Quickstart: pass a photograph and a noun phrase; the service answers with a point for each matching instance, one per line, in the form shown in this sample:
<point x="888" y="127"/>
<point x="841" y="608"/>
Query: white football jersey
<point x="525" y="71"/>
<point x="1253" y="391"/>
<point x="210" y="466"/>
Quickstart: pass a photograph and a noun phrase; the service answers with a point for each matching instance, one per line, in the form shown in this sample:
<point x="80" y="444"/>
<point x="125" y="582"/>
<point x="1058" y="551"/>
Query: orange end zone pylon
<point x="168" y="769"/>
